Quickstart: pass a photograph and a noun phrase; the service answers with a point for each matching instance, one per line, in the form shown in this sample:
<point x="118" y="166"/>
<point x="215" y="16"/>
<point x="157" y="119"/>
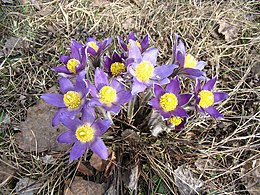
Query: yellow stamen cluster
<point x="84" y="133"/>
<point x="206" y="98"/>
<point x="168" y="102"/>
<point x="93" y="45"/>
<point x="116" y="68"/>
<point x="137" y="43"/>
<point x="190" y="61"/>
<point x="71" y="65"/>
<point x="72" y="99"/>
<point x="107" y="95"/>
<point x="175" y="120"/>
<point x="144" y="71"/>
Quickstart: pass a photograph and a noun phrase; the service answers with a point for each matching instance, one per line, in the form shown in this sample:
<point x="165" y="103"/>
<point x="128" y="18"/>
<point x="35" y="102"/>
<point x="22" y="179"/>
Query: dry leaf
<point x="228" y="30"/>
<point x="250" y="174"/>
<point x="131" y="137"/>
<point x="85" y="170"/>
<point x="79" y="186"/>
<point x="97" y="162"/>
<point x="36" y="4"/>
<point x="186" y="181"/>
<point x="45" y="11"/>
<point x="12" y="46"/>
<point x="37" y="133"/>
<point x="111" y="163"/>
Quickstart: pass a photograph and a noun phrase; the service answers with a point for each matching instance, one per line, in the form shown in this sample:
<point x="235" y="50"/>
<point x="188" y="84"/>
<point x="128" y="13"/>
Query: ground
<point x="208" y="157"/>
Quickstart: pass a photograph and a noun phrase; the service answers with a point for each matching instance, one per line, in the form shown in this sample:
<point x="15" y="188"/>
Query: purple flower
<point x="71" y="101"/>
<point x="176" y="122"/>
<point x="188" y="65"/>
<point x="114" y="66"/>
<point x="85" y="133"/>
<point x="205" y="98"/>
<point x="74" y="64"/>
<point x="169" y="102"/>
<point x="143" y="45"/>
<point x="143" y="69"/>
<point x="96" y="49"/>
<point x="108" y="95"/>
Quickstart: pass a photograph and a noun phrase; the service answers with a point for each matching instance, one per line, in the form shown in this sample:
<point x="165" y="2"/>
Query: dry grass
<point x="229" y="143"/>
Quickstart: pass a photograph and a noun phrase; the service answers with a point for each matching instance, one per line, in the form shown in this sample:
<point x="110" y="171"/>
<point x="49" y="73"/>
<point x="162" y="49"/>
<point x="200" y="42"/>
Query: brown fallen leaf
<point x="230" y="31"/>
<point x="45" y="11"/>
<point x="97" y="162"/>
<point x="79" y="186"/>
<point x="6" y="172"/>
<point x="110" y="163"/>
<point x="37" y="133"/>
<point x="27" y="186"/>
<point x="85" y="170"/>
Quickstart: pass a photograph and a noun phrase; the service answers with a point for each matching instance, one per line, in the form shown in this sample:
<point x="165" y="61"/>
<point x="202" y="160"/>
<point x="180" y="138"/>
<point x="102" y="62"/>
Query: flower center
<point x="71" y="65"/>
<point x="137" y="43"/>
<point x="144" y="71"/>
<point x="84" y="133"/>
<point x="175" y="120"/>
<point x="72" y="99"/>
<point x="168" y="102"/>
<point x="116" y="68"/>
<point x="206" y="98"/>
<point x="190" y="61"/>
<point x="93" y="45"/>
<point x="107" y="95"/>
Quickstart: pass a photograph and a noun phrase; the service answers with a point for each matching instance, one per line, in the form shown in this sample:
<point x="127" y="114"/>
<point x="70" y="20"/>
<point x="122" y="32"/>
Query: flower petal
<point x="80" y="84"/>
<point x="61" y="69"/>
<point x="134" y="51"/>
<point x="64" y="59"/>
<point x="184" y="99"/>
<point x="163" y="71"/>
<point x="200" y="65"/>
<point x="113" y="108"/>
<point x="123" y="97"/>
<point x="99" y="148"/>
<point x="65" y="85"/>
<point x="173" y="86"/>
<point x="100" y="78"/>
<point x="101" y="126"/>
<point x="54" y="99"/>
<point x="151" y="55"/>
<point x="116" y="57"/>
<point x="67" y="137"/>
<point x="131" y="36"/>
<point x="88" y="114"/>
<point x="219" y="96"/>
<point x="213" y="112"/>
<point x="154" y="102"/>
<point x="179" y="111"/>
<point x="56" y="118"/>
<point x="107" y="63"/>
<point x="78" y="149"/>
<point x="71" y="124"/>
<point x="158" y="90"/>
<point x="121" y="43"/>
<point x="180" y="54"/>
<point x="92" y="89"/>
<point x="75" y="51"/>
<point x="210" y="84"/>
<point x="137" y="87"/>
<point x="145" y="43"/>
<point x="193" y="73"/>
<point x="115" y="84"/>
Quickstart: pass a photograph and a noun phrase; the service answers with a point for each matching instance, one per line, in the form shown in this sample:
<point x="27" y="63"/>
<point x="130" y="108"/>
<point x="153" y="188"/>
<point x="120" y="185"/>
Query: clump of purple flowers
<point x="129" y="80"/>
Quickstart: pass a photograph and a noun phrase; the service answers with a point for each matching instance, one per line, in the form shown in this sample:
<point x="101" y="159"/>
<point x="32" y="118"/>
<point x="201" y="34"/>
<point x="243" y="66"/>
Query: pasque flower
<point x="143" y="69"/>
<point x="85" y="133"/>
<point x="96" y="49"/>
<point x="109" y="95"/>
<point x="143" y="45"/>
<point x="169" y="102"/>
<point x="188" y="65"/>
<point x="206" y="98"/>
<point x="176" y="122"/>
<point x="74" y="63"/>
<point x="115" y="65"/>
<point x="71" y="101"/>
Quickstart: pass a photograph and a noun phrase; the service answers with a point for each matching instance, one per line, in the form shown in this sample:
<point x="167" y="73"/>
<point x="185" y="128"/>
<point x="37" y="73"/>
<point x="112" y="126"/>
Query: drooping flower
<point x="188" y="65"/>
<point x="143" y="45"/>
<point x="85" y="133"/>
<point x="176" y="122"/>
<point x="143" y="69"/>
<point x="96" y="49"/>
<point x="206" y="98"/>
<point x="71" y="101"/>
<point x="108" y="95"/>
<point x="114" y="66"/>
<point x="74" y="63"/>
<point x="169" y="102"/>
